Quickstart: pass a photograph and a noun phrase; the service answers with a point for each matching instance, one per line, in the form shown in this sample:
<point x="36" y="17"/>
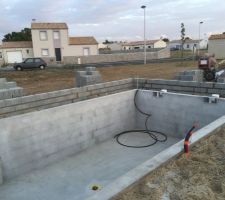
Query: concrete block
<point x="207" y="84"/>
<point x="214" y="91"/>
<point x="2" y="80"/>
<point x="200" y="90"/>
<point x="187" y="83"/>
<point x="220" y="85"/>
<point x="10" y="85"/>
<point x="193" y="75"/>
<point x="186" y="78"/>
<point x="89" y="70"/>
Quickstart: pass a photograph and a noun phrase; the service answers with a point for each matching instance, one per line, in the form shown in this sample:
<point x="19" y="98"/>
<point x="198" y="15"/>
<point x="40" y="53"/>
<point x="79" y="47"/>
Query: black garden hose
<point x="152" y="133"/>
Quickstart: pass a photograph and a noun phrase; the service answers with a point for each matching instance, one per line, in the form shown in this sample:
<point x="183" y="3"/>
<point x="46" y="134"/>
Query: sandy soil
<point x="37" y="81"/>
<point x="201" y="177"/>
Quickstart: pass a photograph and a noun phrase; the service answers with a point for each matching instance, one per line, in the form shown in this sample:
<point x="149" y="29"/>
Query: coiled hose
<point x="151" y="133"/>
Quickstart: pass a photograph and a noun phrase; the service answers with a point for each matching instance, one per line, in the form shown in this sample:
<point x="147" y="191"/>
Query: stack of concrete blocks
<point x="9" y="90"/>
<point x="88" y="77"/>
<point x="192" y="75"/>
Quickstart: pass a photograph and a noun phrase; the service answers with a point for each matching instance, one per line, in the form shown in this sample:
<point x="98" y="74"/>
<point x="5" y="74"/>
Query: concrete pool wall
<point x="34" y="140"/>
<point x="174" y="114"/>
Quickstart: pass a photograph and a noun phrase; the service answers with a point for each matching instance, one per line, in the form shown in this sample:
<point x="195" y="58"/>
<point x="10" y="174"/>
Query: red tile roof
<point x="82" y="41"/>
<point x="217" y="37"/>
<point x="19" y="44"/>
<point x="186" y="41"/>
<point x="49" y="26"/>
<point x="136" y="43"/>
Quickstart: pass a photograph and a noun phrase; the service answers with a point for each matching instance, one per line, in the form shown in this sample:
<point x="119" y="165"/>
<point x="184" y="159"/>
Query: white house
<point x="150" y="44"/>
<point x="217" y="45"/>
<point x="188" y="45"/>
<point x="51" y="42"/>
<point x="11" y="52"/>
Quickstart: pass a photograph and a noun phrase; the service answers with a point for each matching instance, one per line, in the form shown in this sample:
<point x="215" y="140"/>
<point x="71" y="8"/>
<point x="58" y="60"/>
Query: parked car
<point x="30" y="63"/>
<point x="174" y="49"/>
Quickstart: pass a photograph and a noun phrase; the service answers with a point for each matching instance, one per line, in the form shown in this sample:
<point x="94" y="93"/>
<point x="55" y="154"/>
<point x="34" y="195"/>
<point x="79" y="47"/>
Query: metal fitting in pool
<point x="159" y="93"/>
<point x="213" y="99"/>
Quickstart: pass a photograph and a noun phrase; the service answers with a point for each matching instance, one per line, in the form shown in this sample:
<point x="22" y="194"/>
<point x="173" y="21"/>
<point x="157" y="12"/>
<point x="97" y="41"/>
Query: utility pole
<point x="145" y="56"/>
<point x="199" y="37"/>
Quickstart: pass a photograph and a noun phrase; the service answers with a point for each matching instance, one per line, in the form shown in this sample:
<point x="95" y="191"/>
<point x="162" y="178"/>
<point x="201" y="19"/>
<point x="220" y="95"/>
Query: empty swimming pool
<point x="62" y="152"/>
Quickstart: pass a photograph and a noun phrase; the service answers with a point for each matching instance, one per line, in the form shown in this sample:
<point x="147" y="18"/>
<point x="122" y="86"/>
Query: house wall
<point x="63" y="43"/>
<point x="114" y="46"/>
<point x="78" y="50"/>
<point x="217" y="47"/>
<point x="204" y="44"/>
<point x="127" y="47"/>
<point x="23" y="50"/>
<point x="186" y="47"/>
<point x="160" y="44"/>
<point x="164" y="53"/>
<point x="38" y="44"/>
<point x="1" y="58"/>
<point x="174" y="45"/>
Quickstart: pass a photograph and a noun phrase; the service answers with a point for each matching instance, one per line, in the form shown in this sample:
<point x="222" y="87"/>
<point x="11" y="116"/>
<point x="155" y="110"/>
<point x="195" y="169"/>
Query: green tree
<point x="166" y="39"/>
<point x="23" y="35"/>
<point x="182" y="39"/>
<point x="108" y="42"/>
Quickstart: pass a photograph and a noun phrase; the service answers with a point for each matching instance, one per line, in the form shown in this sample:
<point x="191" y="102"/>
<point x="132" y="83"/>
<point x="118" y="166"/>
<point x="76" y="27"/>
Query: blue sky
<point x="117" y="19"/>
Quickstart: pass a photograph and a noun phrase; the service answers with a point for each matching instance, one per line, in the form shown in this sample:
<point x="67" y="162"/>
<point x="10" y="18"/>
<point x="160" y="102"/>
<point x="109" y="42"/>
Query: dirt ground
<point x="201" y="177"/>
<point x="37" y="81"/>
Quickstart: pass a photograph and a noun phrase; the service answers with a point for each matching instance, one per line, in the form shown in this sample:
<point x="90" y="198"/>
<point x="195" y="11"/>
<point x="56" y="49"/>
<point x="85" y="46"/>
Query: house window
<point x="188" y="46"/>
<point x="56" y="35"/>
<point x="195" y="45"/>
<point x="149" y="47"/>
<point x="44" y="52"/>
<point x="86" y="51"/>
<point x="28" y="51"/>
<point x="43" y="35"/>
<point x="0" y="55"/>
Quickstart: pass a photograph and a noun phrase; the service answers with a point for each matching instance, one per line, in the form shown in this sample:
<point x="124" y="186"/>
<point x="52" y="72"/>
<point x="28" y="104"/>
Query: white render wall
<point x="23" y="50"/>
<point x="66" y="49"/>
<point x="217" y="47"/>
<point x="160" y="44"/>
<point x="78" y="50"/>
<point x="38" y="44"/>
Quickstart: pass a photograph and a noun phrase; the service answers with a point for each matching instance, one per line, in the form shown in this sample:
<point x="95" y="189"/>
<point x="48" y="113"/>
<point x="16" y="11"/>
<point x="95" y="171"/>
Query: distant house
<point x="51" y="42"/>
<point x="11" y="52"/>
<point x="115" y="46"/>
<point x="217" y="45"/>
<point x="188" y="45"/>
<point x="150" y="44"/>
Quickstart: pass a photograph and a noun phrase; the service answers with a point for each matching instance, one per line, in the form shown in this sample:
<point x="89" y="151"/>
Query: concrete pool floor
<point x="73" y="177"/>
